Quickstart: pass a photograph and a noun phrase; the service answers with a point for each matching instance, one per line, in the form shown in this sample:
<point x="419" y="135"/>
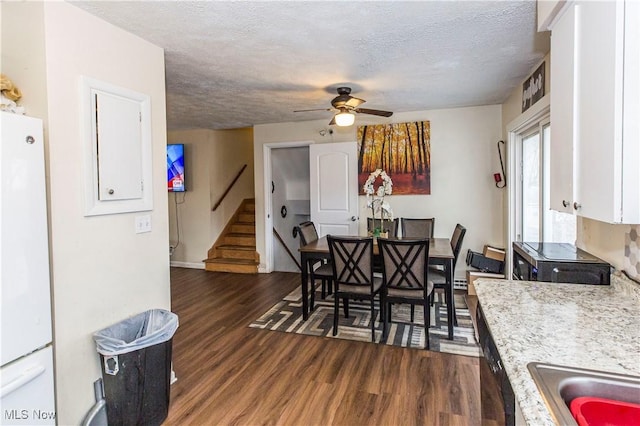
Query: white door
<point x="333" y="180"/>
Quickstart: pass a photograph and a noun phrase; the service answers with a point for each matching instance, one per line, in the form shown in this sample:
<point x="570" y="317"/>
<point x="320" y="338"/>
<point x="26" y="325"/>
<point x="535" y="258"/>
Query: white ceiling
<point x="237" y="64"/>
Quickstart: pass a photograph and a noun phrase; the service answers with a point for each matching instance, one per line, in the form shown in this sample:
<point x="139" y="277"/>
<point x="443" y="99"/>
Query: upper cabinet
<point x="595" y="97"/>
<point x="562" y="69"/>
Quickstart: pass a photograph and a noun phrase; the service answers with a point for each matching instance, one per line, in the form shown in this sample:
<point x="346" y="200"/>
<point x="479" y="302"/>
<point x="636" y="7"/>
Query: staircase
<point x="235" y="249"/>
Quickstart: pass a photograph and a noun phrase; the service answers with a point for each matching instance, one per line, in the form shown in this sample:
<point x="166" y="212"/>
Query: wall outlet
<point x="143" y="224"/>
<point x="171" y="249"/>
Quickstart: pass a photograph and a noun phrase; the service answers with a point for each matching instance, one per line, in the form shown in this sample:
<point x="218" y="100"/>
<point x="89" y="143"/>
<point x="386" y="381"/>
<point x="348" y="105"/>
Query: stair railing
<point x="228" y="188"/>
<point x="286" y="248"/>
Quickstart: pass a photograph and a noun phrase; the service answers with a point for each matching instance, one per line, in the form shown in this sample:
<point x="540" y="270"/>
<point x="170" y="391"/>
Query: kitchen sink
<point x="559" y="385"/>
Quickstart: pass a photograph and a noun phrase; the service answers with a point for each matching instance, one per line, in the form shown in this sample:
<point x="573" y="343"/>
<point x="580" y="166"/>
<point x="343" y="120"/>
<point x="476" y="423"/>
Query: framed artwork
<point x="403" y="150"/>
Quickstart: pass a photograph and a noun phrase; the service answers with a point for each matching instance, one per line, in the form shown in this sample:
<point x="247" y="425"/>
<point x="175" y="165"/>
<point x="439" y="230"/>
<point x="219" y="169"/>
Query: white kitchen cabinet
<point x="562" y="110"/>
<point x="594" y="111"/>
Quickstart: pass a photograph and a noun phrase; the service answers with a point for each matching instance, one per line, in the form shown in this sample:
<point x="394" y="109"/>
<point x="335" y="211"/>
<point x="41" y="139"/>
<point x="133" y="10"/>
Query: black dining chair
<point x="417" y="228"/>
<point x="352" y="260"/>
<point x="405" y="278"/>
<point x="390" y="226"/>
<point x="437" y="275"/>
<point x="317" y="269"/>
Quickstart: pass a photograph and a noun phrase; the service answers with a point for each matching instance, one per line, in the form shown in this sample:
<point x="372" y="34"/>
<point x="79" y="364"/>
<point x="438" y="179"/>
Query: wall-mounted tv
<point x="175" y="167"/>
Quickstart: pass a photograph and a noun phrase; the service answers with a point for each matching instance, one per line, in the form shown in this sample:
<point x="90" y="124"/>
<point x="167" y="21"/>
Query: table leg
<point x="304" y="286"/>
<point x="450" y="308"/>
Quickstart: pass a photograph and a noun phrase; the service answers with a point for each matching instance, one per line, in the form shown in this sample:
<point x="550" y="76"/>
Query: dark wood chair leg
<point x="383" y="320"/>
<point x="427" y="321"/>
<point x="373" y="320"/>
<point x="345" y="302"/>
<point x="412" y="312"/>
<point x="313" y="293"/>
<point x="336" y="302"/>
<point x="324" y="285"/>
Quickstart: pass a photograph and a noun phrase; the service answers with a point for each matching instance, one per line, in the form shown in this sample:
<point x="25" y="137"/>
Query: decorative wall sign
<point x="403" y="150"/>
<point x="533" y="88"/>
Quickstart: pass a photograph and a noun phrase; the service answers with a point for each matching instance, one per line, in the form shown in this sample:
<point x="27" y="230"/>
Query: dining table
<point x="440" y="253"/>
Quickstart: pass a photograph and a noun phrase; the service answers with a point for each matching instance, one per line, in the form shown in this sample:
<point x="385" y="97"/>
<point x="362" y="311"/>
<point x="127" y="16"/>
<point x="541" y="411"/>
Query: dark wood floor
<point x="231" y="374"/>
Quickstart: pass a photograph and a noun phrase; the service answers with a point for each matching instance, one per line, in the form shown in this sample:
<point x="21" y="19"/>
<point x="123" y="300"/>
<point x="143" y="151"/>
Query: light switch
<point x="143" y="224"/>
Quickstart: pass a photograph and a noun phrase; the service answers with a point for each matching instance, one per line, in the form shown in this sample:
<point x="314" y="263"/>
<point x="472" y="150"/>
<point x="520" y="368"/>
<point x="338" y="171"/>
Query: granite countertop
<point x="585" y="326"/>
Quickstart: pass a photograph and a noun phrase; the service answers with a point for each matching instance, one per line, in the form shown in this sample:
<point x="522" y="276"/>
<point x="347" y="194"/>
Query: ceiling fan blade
<point x="315" y="109"/>
<point x="333" y="121"/>
<point x="374" y="112"/>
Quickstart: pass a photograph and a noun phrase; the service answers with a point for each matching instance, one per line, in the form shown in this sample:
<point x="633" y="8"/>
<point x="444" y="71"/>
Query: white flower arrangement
<point x="375" y="197"/>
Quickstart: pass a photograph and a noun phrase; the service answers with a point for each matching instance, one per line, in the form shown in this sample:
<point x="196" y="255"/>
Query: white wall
<point x="102" y="272"/>
<point x="212" y="160"/>
<point x="23" y="53"/>
<point x="463" y="160"/>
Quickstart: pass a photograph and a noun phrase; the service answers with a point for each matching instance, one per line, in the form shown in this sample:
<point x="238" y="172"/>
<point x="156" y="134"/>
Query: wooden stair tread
<point x="235" y="247"/>
<point x="231" y="260"/>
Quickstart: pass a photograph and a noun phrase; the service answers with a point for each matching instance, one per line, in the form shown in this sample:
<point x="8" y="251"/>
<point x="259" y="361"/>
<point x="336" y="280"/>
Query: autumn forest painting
<point x="403" y="150"/>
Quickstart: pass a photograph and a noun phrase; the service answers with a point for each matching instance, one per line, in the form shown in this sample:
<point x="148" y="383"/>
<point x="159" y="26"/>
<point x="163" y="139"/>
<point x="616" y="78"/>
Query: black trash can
<point x="135" y="356"/>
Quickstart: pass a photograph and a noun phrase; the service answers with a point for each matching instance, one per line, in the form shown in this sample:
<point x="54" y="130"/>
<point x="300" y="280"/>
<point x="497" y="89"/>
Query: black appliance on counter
<point x="558" y="263"/>
<point x="497" y="400"/>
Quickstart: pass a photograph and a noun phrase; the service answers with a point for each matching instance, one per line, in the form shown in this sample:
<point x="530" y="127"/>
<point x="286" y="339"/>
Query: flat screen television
<point x="175" y="167"/>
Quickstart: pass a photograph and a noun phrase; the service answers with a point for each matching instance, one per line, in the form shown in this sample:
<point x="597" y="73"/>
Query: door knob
<point x="565" y="203"/>
<point x="353" y="218"/>
<point x="576" y="206"/>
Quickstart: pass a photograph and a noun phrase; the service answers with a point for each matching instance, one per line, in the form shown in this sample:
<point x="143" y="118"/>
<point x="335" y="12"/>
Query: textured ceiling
<point x="237" y="64"/>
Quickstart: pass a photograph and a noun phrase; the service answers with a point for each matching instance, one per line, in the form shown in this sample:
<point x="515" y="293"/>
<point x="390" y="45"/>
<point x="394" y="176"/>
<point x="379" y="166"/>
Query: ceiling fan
<point x="345" y="106"/>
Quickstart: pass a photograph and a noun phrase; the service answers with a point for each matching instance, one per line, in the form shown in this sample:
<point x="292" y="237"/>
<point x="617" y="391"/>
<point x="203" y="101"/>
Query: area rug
<point x="286" y="316"/>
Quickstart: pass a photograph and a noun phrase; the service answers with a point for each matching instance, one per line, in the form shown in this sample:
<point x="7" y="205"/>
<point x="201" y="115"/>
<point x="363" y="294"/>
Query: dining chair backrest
<point x="352" y="260"/>
<point x="456" y="241"/>
<point x="389" y="225"/>
<point x="417" y="228"/>
<point x="307" y="232"/>
<point x="405" y="265"/>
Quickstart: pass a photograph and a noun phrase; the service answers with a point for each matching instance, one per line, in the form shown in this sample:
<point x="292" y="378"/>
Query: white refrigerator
<point x="26" y="353"/>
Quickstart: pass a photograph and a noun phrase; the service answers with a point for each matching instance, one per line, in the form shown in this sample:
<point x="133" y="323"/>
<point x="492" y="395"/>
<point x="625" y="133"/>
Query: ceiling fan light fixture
<point x="345" y="118"/>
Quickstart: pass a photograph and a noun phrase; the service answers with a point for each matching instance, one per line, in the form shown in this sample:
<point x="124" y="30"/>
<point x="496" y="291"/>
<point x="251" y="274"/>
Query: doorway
<point x="290" y="203"/>
<point x="286" y="178"/>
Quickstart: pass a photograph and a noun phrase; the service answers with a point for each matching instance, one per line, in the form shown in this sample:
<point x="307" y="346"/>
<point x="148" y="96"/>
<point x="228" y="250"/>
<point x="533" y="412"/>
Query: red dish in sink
<point x="590" y="411"/>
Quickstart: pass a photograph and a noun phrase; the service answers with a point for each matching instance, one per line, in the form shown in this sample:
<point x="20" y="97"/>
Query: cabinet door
<point x="598" y="148"/>
<point x="562" y="111"/>
<point x="631" y="108"/>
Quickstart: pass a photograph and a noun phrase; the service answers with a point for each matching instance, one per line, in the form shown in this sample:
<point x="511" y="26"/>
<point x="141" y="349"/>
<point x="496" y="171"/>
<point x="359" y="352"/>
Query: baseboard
<point x="192" y="265"/>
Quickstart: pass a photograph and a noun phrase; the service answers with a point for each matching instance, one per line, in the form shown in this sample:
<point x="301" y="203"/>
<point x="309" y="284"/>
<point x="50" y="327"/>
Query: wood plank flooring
<point x="230" y="374"/>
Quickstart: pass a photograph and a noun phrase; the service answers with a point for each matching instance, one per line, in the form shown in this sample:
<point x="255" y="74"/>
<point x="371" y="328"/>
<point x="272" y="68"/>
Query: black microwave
<point x="558" y="263"/>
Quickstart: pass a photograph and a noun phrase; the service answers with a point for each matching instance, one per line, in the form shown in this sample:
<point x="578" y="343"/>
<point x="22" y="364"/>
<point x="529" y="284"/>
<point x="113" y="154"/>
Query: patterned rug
<point x="286" y="316"/>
